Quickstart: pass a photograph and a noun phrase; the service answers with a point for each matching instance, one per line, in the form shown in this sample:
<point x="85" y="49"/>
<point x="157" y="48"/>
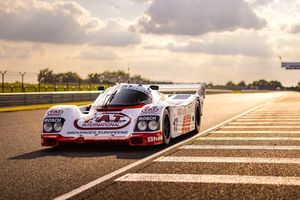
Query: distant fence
<point x="19" y="99"/>
<point x="14" y="88"/>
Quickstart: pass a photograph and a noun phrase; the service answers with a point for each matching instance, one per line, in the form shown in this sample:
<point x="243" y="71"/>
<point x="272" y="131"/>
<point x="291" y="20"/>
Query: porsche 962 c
<point x="125" y="113"/>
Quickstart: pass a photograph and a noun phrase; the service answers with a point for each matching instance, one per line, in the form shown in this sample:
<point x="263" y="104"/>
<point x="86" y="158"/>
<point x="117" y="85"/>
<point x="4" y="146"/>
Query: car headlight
<point x="48" y="127"/>
<point x="153" y="125"/>
<point x="142" y="125"/>
<point x="57" y="126"/>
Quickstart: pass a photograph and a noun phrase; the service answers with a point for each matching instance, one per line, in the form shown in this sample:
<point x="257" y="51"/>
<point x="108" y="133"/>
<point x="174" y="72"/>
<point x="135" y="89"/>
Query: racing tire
<point x="166" y="128"/>
<point x="197" y="117"/>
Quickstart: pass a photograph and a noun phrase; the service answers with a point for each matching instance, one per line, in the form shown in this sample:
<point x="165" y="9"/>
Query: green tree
<point x="275" y="85"/>
<point x="93" y="78"/>
<point x="241" y="85"/>
<point x="69" y="77"/>
<point x="230" y="85"/>
<point x="45" y="76"/>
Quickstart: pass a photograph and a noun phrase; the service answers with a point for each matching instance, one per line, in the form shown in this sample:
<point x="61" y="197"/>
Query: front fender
<point x="68" y="112"/>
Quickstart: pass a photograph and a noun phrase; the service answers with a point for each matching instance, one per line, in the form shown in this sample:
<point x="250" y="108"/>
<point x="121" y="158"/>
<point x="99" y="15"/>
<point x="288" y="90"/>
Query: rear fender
<point x="202" y="90"/>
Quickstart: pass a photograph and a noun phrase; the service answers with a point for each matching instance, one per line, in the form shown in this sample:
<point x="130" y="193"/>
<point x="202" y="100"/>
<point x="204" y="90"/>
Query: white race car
<point x="126" y="113"/>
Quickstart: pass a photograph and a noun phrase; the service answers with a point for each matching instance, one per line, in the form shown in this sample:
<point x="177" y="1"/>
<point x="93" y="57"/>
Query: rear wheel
<point x="166" y="129"/>
<point x="197" y="117"/>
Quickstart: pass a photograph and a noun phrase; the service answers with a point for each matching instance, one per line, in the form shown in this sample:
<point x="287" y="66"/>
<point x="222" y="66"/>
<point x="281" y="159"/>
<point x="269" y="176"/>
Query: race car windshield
<point x="126" y="97"/>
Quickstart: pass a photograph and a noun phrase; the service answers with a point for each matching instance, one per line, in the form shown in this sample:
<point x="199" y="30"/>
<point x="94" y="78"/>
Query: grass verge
<point x="39" y="106"/>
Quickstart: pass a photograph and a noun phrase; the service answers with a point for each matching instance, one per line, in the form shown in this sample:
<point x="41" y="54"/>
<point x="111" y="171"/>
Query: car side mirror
<point x="101" y="88"/>
<point x="154" y="87"/>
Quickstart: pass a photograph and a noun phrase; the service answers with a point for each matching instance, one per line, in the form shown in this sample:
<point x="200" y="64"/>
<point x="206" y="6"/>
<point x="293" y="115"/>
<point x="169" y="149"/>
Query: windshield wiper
<point x="110" y="98"/>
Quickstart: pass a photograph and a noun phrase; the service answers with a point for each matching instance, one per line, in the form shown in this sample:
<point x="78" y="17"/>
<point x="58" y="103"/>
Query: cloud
<point x="259" y="3"/>
<point x="141" y="1"/>
<point x="295" y="29"/>
<point x="96" y="55"/>
<point x="19" y="51"/>
<point x="60" y="22"/>
<point x="246" y="45"/>
<point x="190" y="17"/>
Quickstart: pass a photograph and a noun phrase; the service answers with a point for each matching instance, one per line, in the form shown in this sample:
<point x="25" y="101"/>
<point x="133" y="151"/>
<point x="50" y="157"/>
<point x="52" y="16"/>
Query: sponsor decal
<point x="150" y="110"/>
<point x="96" y="133"/>
<point x="154" y="139"/>
<point x="186" y="124"/>
<point x="176" y="124"/>
<point x="103" y="121"/>
<point x="82" y="132"/>
<point x="185" y="109"/>
<point x="55" y="112"/>
<point x="111" y="138"/>
<point x="53" y="120"/>
<point x="148" y="118"/>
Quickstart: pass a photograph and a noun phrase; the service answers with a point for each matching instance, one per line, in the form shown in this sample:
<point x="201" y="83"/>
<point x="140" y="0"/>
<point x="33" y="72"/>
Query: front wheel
<point x="166" y="129"/>
<point x="197" y="117"/>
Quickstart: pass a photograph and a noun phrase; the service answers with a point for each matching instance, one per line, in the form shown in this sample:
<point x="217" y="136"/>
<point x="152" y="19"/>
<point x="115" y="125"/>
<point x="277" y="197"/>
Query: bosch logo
<point x="55" y="112"/>
<point x="53" y="120"/>
<point x="148" y="118"/>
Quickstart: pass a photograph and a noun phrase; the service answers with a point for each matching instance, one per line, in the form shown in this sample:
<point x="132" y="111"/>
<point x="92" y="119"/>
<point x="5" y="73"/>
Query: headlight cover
<point x="142" y="125"/>
<point x="53" y="124"/>
<point x="153" y="125"/>
<point x="57" y="126"/>
<point x="48" y="127"/>
<point x="147" y="123"/>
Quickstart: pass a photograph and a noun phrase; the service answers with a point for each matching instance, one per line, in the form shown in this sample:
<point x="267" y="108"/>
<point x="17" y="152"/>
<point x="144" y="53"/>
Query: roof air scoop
<point x="154" y="87"/>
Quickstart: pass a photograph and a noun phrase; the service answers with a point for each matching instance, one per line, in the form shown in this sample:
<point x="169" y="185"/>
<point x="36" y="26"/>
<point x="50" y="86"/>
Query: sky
<point x="169" y="40"/>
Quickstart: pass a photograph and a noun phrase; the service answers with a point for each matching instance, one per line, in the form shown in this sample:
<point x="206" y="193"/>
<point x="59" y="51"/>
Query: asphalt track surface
<point x="255" y="156"/>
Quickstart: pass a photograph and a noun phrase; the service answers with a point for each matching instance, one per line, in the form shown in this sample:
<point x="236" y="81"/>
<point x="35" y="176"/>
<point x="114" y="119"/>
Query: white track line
<point x="265" y="123"/>
<point x="250" y="138"/>
<point x="275" y="113"/>
<point x="245" y="127"/>
<point x="132" y="165"/>
<point x="240" y="147"/>
<point x="269" y="120"/>
<point x="266" y="127"/>
<point x="203" y="178"/>
<point x="270" y="117"/>
<point x="258" y="132"/>
<point x="193" y="159"/>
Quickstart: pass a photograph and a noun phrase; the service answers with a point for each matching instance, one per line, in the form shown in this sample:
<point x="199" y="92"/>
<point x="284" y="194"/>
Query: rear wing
<point x="199" y="89"/>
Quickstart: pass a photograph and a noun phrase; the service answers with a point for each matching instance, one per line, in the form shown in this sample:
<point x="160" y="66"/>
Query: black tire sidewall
<point x="166" y="139"/>
<point x="197" y="109"/>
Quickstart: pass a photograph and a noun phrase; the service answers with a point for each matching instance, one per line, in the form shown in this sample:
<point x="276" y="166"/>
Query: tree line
<point x="255" y="85"/>
<point x="47" y="76"/>
<point x="107" y="77"/>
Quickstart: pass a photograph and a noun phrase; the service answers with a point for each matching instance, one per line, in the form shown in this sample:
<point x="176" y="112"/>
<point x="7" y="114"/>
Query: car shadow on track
<point x="98" y="150"/>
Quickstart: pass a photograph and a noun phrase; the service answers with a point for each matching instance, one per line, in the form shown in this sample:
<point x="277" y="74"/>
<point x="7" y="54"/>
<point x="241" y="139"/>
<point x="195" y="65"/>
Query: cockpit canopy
<point x="124" y="95"/>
